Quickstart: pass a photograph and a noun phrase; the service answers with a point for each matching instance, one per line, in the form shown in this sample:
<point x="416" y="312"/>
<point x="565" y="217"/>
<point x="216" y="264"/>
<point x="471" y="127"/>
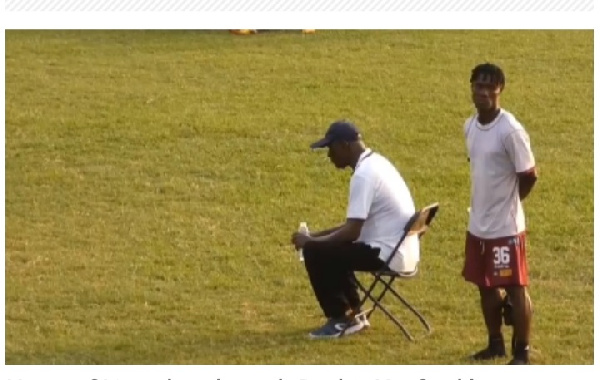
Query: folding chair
<point x="418" y="224"/>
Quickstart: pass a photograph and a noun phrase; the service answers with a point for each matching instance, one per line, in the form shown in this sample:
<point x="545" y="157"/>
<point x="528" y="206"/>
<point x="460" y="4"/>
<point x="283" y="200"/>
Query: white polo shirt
<point x="497" y="152"/>
<point x="379" y="196"/>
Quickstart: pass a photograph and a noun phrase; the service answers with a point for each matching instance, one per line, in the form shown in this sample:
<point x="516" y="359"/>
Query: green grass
<point x="153" y="180"/>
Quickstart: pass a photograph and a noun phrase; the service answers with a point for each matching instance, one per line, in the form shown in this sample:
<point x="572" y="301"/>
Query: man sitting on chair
<point x="380" y="205"/>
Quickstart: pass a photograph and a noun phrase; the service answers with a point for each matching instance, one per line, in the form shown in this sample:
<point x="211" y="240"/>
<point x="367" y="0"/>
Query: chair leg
<point x="387" y="285"/>
<point x="377" y="304"/>
<point x="413" y="310"/>
<point x="366" y="292"/>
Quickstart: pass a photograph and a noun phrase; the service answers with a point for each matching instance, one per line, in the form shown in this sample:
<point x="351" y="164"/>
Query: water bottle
<point x="304" y="230"/>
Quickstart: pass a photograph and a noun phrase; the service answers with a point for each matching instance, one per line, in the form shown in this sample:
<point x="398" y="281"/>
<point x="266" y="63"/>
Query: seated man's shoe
<point x="337" y="327"/>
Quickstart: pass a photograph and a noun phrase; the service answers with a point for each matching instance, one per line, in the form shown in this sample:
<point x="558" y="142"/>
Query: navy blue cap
<point x="338" y="131"/>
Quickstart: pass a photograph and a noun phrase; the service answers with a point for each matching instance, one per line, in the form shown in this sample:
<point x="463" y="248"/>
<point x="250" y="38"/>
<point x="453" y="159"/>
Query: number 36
<point x="501" y="255"/>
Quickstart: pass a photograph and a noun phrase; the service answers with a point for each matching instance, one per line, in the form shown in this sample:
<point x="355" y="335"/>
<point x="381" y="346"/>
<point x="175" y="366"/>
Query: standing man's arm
<point x="518" y="148"/>
<point x="526" y="181"/>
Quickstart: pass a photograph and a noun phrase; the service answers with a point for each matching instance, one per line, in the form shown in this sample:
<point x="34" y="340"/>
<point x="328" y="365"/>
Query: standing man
<point x="502" y="175"/>
<point x="379" y="207"/>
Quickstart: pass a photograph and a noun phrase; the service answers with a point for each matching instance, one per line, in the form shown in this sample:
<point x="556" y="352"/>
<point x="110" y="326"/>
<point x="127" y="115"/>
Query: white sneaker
<point x="362" y="318"/>
<point x="333" y="328"/>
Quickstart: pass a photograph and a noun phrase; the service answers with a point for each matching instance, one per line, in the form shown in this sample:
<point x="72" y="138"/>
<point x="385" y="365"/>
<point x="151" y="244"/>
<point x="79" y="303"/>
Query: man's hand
<point x="526" y="181"/>
<point x="299" y="239"/>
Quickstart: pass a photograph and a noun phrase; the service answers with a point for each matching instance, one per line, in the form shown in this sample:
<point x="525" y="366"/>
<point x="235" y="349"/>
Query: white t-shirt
<point x="497" y="152"/>
<point x="379" y="196"/>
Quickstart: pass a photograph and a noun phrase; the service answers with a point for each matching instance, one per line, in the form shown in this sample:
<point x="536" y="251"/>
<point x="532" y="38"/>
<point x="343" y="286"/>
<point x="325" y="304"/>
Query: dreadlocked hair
<point x="490" y="70"/>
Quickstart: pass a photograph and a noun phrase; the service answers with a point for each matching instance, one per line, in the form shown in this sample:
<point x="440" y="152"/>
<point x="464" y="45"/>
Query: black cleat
<point x="520" y="353"/>
<point x="490" y="353"/>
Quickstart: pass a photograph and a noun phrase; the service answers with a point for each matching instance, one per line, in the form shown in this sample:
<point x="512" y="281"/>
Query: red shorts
<point x="496" y="262"/>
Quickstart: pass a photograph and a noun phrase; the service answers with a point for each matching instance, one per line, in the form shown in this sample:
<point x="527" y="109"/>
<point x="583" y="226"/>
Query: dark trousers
<point x="331" y="267"/>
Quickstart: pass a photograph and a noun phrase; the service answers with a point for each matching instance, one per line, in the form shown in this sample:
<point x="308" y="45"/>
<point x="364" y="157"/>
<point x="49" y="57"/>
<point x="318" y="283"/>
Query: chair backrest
<point x="420" y="221"/>
<point x="417" y="224"/>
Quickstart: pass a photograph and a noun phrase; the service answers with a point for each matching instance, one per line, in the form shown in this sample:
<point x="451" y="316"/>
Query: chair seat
<point x="392" y="273"/>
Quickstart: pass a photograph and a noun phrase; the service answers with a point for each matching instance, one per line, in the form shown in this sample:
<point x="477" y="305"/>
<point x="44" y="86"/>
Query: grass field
<point x="153" y="180"/>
